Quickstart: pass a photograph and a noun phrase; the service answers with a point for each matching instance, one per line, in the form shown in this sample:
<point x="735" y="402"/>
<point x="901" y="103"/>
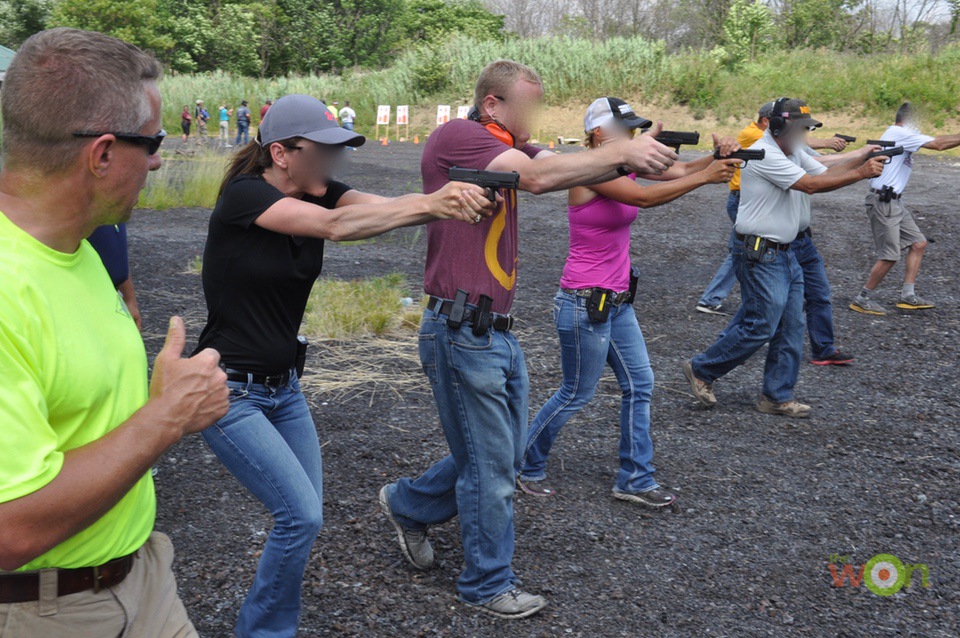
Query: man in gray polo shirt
<point x="774" y="201"/>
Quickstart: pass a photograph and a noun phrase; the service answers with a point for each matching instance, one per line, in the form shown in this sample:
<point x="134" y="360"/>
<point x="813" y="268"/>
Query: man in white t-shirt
<point x="347" y="116"/>
<point x="774" y="204"/>
<point x="894" y="229"/>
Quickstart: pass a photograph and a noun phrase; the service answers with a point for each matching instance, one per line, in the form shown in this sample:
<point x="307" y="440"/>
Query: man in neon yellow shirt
<point x="80" y="424"/>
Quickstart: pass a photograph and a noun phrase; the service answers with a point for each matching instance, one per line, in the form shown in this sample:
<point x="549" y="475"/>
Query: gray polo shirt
<point x="768" y="207"/>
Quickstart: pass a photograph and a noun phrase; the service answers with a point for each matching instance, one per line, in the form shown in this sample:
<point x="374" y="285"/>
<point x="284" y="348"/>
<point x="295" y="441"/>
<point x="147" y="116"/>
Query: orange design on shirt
<point x="508" y="281"/>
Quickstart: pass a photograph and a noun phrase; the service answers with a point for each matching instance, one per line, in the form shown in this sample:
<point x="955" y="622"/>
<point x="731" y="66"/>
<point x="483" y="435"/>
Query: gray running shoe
<point x="414" y="543"/>
<point x="512" y="604"/>
<point x="913" y="302"/>
<point x="867" y="306"/>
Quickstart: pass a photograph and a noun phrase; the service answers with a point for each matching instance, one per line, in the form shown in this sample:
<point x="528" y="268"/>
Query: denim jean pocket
<point x="427" y="345"/>
<point x="466" y="340"/>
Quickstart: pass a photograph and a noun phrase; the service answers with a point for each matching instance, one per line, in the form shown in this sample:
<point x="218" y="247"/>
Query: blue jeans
<point x="816" y="294"/>
<point x="771" y="311"/>
<point x="269" y="443"/>
<point x="585" y="349"/>
<point x="722" y="282"/>
<point x="243" y="129"/>
<point x="348" y="126"/>
<point x="481" y="388"/>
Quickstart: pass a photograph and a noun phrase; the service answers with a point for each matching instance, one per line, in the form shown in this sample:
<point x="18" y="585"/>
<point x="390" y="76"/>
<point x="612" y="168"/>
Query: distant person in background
<point x="243" y="123"/>
<point x="201" y="115"/>
<point x="347" y="116"/>
<point x="110" y="242"/>
<point x="225" y="114"/>
<point x="894" y="229"/>
<point x="185" y="121"/>
<point x="266" y="107"/>
<point x="335" y="109"/>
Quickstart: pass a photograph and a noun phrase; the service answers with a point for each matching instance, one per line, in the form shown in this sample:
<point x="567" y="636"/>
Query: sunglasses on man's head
<point x="150" y="142"/>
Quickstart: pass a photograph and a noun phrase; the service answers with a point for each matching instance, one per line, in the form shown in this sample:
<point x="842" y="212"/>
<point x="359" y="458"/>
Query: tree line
<point x="272" y="38"/>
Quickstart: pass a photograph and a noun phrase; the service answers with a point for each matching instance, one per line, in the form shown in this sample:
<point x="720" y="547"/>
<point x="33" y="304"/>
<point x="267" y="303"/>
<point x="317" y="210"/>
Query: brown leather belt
<point x="24" y="587"/>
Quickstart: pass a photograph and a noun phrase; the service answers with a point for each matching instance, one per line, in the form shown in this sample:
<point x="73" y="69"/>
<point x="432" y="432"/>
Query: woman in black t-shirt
<point x="264" y="250"/>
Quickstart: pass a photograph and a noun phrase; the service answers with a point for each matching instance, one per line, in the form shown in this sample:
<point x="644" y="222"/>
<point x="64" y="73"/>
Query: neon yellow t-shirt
<point x="747" y="138"/>
<point x="73" y="367"/>
<point x="334" y="110"/>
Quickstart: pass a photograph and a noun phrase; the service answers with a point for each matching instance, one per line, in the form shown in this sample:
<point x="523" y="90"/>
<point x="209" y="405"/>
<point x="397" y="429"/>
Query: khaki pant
<point x="894" y="229"/>
<point x="144" y="605"/>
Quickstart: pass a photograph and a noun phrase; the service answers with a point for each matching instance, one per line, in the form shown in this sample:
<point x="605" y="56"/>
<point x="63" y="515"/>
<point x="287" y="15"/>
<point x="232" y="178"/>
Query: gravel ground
<point x="765" y="501"/>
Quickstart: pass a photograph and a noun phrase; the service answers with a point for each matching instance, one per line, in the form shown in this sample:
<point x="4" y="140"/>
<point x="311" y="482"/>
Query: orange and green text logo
<point x="884" y="574"/>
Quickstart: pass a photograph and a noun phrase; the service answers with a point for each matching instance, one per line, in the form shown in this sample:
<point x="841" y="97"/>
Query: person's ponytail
<point x="252" y="159"/>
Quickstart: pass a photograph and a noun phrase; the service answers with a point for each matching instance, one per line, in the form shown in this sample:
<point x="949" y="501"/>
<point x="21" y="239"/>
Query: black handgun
<point x="487" y="179"/>
<point x="744" y="154"/>
<point x="881" y="143"/>
<point x="888" y="152"/>
<point x="845" y="138"/>
<point x="674" y="139"/>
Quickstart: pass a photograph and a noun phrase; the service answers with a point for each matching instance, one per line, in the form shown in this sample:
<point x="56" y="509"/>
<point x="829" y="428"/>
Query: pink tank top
<point x="599" y="245"/>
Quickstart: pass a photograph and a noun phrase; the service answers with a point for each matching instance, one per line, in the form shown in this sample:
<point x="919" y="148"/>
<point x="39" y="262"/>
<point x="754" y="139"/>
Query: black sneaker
<point x="836" y="359"/>
<point x="718" y="309"/>
<point x="655" y="498"/>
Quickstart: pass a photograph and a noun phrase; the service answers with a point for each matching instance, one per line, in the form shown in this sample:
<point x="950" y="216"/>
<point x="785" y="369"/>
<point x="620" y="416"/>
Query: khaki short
<point x="893" y="227"/>
<point x="144" y="605"/>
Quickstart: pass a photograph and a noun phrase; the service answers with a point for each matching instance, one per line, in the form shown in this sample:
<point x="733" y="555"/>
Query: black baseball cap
<point x="797" y="114"/>
<point x="304" y="116"/>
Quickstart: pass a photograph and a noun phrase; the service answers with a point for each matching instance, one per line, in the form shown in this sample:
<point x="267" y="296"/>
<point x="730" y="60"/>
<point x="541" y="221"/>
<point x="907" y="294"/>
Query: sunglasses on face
<point x="150" y="142"/>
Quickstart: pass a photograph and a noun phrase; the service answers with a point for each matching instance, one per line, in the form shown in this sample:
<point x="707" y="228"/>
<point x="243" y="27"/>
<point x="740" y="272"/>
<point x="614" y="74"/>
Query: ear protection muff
<point x="497" y="129"/>
<point x="778" y="123"/>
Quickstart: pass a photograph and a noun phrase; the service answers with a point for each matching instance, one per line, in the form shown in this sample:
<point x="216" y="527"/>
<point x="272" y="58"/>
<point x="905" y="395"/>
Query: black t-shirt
<point x="256" y="282"/>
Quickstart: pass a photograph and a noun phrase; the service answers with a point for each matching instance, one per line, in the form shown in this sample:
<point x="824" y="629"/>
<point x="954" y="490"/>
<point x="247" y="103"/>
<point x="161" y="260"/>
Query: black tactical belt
<point x="768" y="242"/>
<point x="889" y="192"/>
<point x="503" y="323"/>
<point x="616" y="299"/>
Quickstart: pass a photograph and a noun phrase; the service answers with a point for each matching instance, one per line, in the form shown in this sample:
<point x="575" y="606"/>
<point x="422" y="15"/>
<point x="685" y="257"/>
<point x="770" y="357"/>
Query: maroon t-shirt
<point x="479" y="258"/>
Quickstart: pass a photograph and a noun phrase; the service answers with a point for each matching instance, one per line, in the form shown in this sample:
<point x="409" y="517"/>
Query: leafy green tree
<point x="19" y="19"/>
<point x="748" y="30"/>
<point x="137" y="22"/>
<point x="435" y="20"/>
<point x="818" y="23"/>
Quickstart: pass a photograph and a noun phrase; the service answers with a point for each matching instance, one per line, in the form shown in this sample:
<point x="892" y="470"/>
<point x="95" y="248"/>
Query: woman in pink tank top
<point x="594" y="314"/>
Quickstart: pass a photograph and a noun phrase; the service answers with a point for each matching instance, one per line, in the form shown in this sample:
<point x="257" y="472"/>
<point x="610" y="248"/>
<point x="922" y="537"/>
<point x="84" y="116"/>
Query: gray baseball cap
<point x="304" y="116"/>
<point x="766" y="110"/>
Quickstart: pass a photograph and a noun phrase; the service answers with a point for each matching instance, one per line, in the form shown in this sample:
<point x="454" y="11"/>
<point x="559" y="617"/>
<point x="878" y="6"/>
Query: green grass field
<point x="576" y="71"/>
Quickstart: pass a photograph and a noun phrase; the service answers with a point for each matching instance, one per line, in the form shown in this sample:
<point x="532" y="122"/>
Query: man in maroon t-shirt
<point x="473" y="361"/>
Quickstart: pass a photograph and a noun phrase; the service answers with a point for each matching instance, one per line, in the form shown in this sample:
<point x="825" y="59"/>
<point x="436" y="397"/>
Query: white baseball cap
<point x="607" y="110"/>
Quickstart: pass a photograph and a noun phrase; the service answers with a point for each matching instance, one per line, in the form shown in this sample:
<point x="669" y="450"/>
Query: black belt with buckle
<point x="769" y="242"/>
<point x="24" y="587"/>
<point x="269" y="380"/>
<point x="616" y="299"/>
<point x="503" y="323"/>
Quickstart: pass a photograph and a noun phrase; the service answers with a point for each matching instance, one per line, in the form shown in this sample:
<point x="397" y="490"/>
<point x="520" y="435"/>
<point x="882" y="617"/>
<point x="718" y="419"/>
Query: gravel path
<point x="765" y="501"/>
